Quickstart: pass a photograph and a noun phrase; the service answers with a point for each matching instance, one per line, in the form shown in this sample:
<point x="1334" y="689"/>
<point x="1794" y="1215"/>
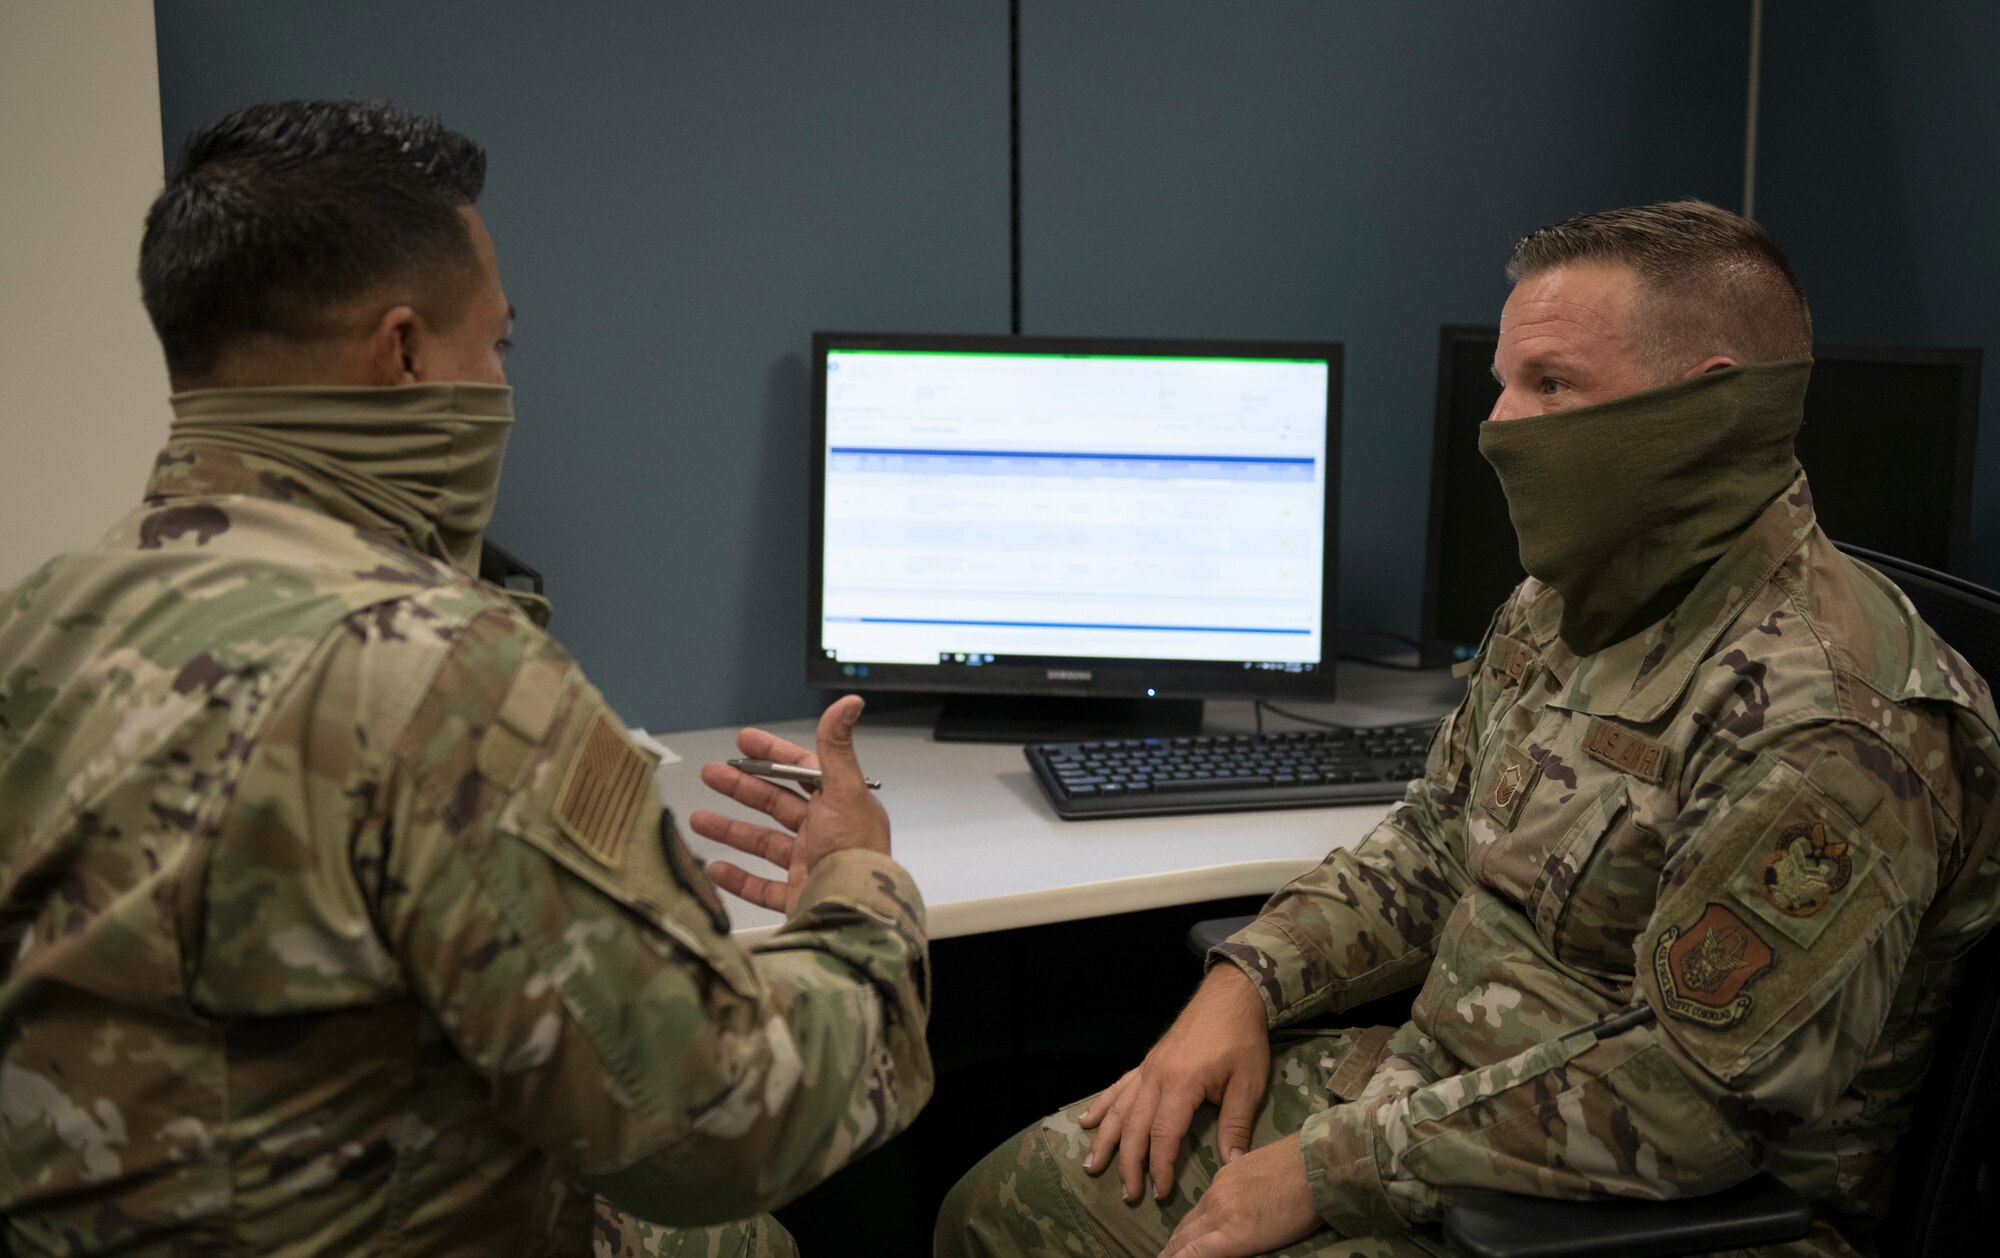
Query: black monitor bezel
<point x="1434" y="652"/>
<point x="1431" y="651"/>
<point x="1163" y="679"/>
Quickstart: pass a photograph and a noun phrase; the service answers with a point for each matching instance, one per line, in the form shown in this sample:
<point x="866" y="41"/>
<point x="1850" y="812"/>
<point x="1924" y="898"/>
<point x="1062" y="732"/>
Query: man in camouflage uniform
<point x="340" y="915"/>
<point x="1689" y="876"/>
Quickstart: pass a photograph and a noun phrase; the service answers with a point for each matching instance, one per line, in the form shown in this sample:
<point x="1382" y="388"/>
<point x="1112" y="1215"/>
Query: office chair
<point x="500" y="567"/>
<point x="1948" y="1168"/>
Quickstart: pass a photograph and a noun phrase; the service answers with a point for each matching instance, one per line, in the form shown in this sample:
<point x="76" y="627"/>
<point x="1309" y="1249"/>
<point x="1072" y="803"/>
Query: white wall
<point x="82" y="386"/>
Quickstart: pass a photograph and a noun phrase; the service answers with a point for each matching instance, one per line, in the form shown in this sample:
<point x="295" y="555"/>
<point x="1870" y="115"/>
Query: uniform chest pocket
<point x="1519" y="794"/>
<point x="1598" y="886"/>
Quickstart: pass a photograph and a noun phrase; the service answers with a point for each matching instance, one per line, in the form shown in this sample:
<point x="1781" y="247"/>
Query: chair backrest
<point x="1948" y="1165"/>
<point x="1947" y="1169"/>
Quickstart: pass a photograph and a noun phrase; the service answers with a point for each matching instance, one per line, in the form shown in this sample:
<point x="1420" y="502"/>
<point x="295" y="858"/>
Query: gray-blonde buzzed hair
<point x="1711" y="282"/>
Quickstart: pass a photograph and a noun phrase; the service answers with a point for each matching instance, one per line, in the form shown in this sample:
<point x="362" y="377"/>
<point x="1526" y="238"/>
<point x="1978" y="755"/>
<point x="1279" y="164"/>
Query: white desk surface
<point x="988" y="853"/>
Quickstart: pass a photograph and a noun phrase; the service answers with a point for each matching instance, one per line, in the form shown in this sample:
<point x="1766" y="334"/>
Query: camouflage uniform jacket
<point x="1667" y="903"/>
<point x="340" y="917"/>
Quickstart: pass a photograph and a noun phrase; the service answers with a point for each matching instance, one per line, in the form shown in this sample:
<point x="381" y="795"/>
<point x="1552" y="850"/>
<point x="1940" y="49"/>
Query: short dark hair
<point x="1712" y="282"/>
<point x="281" y="213"/>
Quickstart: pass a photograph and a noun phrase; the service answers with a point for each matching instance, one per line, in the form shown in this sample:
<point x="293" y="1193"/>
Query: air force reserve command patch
<point x="1702" y="970"/>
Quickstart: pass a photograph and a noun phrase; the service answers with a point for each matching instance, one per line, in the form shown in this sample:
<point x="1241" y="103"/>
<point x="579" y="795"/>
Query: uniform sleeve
<point x="545" y="909"/>
<point x="1766" y="972"/>
<point x="1360" y="924"/>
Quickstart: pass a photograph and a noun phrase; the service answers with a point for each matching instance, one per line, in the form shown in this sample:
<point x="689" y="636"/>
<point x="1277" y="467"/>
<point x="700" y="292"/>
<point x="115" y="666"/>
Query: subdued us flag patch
<point x="603" y="786"/>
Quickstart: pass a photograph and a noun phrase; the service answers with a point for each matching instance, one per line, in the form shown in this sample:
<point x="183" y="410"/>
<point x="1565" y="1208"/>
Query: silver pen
<point x="808" y="778"/>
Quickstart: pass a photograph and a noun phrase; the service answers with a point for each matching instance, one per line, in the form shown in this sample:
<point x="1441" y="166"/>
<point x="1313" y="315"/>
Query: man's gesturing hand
<point x="842" y="814"/>
<point x="1258" y="1203"/>
<point x="1219" y="1051"/>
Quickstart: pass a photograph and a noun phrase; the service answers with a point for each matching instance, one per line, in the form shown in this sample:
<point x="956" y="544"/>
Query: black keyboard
<point x="1130" y="777"/>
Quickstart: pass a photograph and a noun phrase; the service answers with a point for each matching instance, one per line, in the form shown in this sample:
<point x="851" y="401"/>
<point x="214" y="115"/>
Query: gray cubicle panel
<point x="1355" y="173"/>
<point x="679" y="195"/>
<point x="1878" y="173"/>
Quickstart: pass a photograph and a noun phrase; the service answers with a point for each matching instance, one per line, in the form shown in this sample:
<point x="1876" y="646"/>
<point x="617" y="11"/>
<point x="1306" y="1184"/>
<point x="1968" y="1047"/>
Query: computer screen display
<point x="1887" y="443"/>
<point x="1062" y="516"/>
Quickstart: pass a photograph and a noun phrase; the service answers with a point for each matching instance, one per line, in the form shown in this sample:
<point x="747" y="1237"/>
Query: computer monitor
<point x="1471" y="559"/>
<point x="1073" y="535"/>
<point x="1887" y="442"/>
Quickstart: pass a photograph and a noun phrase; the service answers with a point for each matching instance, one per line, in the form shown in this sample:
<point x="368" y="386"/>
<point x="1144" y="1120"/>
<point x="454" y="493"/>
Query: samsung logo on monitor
<point x="1069" y="674"/>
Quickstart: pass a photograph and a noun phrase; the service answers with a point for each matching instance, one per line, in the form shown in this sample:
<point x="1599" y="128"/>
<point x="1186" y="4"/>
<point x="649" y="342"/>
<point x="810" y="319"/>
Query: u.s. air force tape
<point x="1622" y="749"/>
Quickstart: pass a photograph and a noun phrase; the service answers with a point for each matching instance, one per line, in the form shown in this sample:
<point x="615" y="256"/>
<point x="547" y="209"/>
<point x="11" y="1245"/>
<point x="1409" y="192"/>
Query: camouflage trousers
<point x="1031" y="1195"/>
<point x="622" y="1236"/>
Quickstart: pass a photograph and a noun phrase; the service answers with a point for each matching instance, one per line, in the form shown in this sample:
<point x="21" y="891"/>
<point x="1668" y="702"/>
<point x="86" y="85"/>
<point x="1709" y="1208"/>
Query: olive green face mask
<point x="420" y="463"/>
<point x="1621" y="507"/>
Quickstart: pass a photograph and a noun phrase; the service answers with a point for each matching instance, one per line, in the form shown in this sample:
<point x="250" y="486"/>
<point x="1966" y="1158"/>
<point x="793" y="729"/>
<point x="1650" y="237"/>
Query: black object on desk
<point x="1130" y="777"/>
<point x="1027" y="719"/>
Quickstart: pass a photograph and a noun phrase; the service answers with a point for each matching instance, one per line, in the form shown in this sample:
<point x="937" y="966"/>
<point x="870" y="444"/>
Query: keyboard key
<point x="1181" y="782"/>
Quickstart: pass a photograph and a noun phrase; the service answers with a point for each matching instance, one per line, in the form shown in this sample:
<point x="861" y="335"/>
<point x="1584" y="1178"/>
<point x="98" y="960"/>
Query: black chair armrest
<point x="1209" y="932"/>
<point x="1758" y="1211"/>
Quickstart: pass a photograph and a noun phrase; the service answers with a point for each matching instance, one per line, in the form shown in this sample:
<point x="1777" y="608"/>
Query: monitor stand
<point x="1022" y="719"/>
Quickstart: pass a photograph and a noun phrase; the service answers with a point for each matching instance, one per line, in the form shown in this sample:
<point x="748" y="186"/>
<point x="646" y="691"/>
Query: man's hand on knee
<point x="1218" y="1051"/>
<point x="1259" y="1202"/>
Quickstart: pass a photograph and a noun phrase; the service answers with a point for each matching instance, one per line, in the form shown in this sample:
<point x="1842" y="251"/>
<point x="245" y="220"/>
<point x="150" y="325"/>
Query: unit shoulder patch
<point x="601" y="789"/>
<point x="1806" y="865"/>
<point x="1703" y="969"/>
<point x="1802" y="873"/>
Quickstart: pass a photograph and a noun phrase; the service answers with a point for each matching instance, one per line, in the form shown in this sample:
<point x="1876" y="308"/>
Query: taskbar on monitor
<point x="1083" y="669"/>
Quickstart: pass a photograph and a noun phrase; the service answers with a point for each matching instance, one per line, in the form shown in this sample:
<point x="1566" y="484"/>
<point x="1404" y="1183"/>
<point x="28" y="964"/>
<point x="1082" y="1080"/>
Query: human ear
<point x="395" y="349"/>
<point x="1714" y="362"/>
